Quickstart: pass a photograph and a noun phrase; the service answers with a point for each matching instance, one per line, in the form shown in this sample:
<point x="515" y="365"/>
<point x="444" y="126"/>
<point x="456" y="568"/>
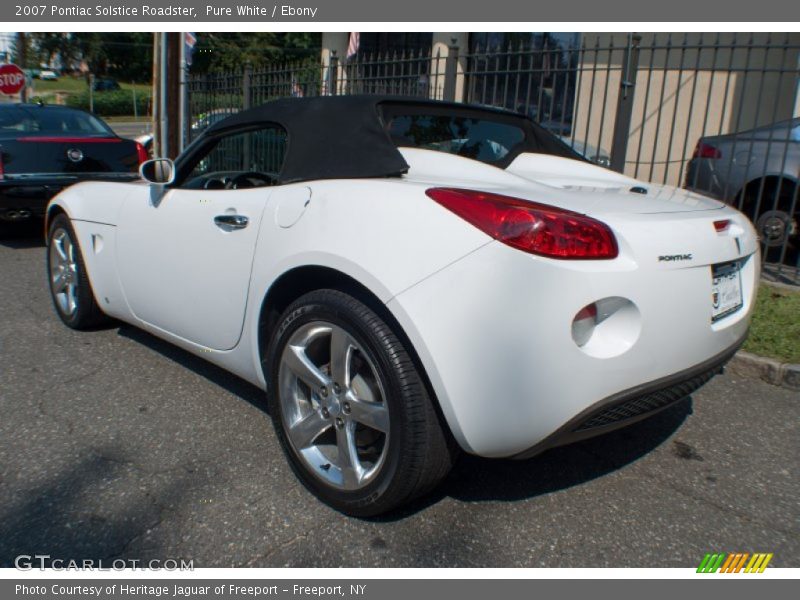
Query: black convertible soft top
<point x="344" y="137"/>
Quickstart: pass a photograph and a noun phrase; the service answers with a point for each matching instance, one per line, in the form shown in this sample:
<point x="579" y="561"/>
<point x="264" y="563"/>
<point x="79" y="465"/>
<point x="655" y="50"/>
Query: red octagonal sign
<point x="12" y="79"/>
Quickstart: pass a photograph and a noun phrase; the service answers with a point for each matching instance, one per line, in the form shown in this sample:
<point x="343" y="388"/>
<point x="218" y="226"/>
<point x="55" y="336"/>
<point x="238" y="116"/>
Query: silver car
<point x="757" y="171"/>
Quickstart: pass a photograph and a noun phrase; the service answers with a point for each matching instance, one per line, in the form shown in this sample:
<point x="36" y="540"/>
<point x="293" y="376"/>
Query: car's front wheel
<point x="351" y="410"/>
<point x="70" y="288"/>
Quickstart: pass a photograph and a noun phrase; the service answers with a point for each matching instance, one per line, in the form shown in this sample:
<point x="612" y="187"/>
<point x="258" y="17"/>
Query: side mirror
<point x="158" y="170"/>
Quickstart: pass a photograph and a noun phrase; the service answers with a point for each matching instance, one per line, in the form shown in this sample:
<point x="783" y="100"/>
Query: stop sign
<point x="12" y="79"/>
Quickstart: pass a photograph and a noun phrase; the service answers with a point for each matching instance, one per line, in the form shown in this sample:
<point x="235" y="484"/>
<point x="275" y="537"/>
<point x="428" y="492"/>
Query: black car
<point x="44" y="149"/>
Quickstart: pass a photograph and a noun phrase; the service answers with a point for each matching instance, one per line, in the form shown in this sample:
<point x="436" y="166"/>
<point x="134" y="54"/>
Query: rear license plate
<point x="726" y="290"/>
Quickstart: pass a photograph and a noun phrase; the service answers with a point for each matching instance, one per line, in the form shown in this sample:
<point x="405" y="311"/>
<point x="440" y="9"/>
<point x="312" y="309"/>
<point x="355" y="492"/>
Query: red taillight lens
<point x="529" y="226"/>
<point x="141" y="153"/>
<point x="703" y="150"/>
<point x="720" y="226"/>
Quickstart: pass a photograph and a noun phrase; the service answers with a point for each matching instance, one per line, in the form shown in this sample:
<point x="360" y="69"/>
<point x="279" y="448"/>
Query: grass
<point x="74" y="85"/>
<point x="775" y="329"/>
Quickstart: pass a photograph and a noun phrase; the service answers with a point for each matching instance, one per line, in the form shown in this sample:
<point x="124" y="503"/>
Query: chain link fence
<point x="715" y="113"/>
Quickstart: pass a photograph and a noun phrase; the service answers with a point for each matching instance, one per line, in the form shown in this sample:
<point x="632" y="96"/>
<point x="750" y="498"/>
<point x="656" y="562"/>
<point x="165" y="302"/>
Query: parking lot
<point x="115" y="444"/>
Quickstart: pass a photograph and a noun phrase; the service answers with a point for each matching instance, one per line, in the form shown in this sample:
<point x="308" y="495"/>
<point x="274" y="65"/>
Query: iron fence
<point x="716" y="113"/>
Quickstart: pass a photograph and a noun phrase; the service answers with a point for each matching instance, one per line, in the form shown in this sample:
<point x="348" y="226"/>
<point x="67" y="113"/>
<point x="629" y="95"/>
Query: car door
<point x="185" y="257"/>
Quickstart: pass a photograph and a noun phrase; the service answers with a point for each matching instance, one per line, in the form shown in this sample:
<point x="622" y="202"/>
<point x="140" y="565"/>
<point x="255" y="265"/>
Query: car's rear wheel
<point x="769" y="206"/>
<point x="352" y="413"/>
<point x="775" y="227"/>
<point x="70" y="288"/>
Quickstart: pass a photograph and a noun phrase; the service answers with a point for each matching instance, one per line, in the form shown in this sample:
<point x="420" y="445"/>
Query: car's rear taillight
<point x="529" y="226"/>
<point x="141" y="153"/>
<point x="722" y="225"/>
<point x="703" y="150"/>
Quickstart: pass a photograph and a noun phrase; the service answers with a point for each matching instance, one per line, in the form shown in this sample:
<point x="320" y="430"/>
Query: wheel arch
<point x="749" y="193"/>
<point x="300" y="280"/>
<point x="53" y="210"/>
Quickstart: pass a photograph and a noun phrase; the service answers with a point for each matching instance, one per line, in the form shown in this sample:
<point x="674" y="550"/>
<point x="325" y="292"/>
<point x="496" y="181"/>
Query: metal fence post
<point x="333" y="74"/>
<point x="247" y="80"/>
<point x="450" y="72"/>
<point x="627" y="88"/>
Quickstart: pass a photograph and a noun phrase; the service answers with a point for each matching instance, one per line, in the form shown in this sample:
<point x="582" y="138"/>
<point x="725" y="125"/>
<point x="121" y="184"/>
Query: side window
<point x="245" y="159"/>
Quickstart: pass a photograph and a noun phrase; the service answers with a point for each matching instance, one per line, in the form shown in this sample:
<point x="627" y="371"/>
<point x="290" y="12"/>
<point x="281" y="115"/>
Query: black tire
<point x="774" y="221"/>
<point x="776" y="228"/>
<point x="419" y="453"/>
<point x="86" y="314"/>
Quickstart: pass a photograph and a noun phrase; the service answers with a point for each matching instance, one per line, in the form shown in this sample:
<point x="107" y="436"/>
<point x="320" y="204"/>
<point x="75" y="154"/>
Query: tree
<point x="124" y="55"/>
<point x="231" y="51"/>
<point x="54" y="48"/>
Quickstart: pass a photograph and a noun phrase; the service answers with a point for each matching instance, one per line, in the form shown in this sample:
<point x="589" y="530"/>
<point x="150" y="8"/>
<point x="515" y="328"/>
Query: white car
<point x="400" y="296"/>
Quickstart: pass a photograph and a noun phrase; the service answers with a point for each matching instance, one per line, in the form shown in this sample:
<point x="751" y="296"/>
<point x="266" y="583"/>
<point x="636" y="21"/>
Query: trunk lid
<point x="68" y="156"/>
<point x="613" y="192"/>
<point x="569" y="184"/>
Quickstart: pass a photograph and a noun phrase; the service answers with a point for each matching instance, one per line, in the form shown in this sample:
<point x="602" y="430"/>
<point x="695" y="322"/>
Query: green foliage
<point x="775" y="329"/>
<point x="111" y="104"/>
<point x="128" y="56"/>
<point x="123" y="55"/>
<point x="216" y="52"/>
<point x="49" y="48"/>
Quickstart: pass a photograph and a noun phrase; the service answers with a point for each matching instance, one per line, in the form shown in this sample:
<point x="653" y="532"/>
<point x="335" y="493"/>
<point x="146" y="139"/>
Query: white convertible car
<point x="407" y="278"/>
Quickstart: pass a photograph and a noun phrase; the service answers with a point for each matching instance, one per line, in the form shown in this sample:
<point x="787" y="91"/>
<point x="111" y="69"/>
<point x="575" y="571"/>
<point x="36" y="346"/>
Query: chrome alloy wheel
<point x="333" y="405"/>
<point x="64" y="272"/>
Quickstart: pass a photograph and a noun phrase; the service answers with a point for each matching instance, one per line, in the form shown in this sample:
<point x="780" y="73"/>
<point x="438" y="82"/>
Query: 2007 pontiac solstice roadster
<point x="406" y="278"/>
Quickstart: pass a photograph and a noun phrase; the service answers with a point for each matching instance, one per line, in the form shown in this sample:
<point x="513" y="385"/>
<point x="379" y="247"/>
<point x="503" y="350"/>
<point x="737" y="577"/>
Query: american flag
<point x="189" y="42"/>
<point x="352" y="45"/>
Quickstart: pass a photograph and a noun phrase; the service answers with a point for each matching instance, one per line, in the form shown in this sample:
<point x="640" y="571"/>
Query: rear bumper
<point x="30" y="198"/>
<point x="635" y="404"/>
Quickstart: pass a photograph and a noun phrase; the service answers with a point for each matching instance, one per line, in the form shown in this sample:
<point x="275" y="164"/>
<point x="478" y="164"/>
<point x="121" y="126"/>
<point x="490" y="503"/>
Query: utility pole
<point x="162" y="95"/>
<point x="156" y="95"/>
<point x="173" y="90"/>
<point x="22" y="62"/>
<point x="184" y="97"/>
<point x="168" y="81"/>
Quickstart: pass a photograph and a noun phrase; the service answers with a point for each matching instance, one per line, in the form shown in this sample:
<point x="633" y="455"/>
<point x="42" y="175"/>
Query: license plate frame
<point x="726" y="289"/>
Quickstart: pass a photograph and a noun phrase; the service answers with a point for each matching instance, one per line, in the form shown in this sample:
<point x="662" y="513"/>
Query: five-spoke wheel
<point x="70" y="288"/>
<point x="351" y="410"/>
<point x="63" y="271"/>
<point x="333" y="405"/>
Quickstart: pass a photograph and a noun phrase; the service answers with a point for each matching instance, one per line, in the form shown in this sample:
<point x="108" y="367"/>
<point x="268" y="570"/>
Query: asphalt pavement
<point x="115" y="444"/>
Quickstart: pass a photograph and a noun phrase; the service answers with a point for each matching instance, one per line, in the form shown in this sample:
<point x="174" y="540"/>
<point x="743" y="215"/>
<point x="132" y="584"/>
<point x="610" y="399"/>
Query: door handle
<point x="229" y="222"/>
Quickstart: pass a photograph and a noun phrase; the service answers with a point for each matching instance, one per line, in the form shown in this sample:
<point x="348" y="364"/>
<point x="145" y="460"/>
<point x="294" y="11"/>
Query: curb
<point x="767" y="369"/>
